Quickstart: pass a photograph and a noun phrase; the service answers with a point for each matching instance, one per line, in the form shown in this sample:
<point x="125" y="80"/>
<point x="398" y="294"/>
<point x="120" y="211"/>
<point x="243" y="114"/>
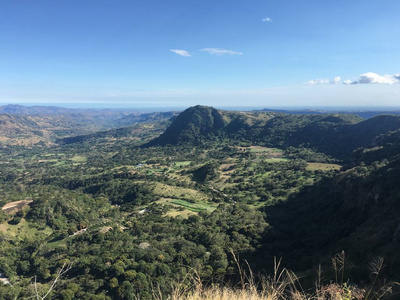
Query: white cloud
<point x="323" y="81"/>
<point x="218" y="51"/>
<point x="317" y="81"/>
<point x="336" y="80"/>
<point x="347" y="82"/>
<point x="267" y="19"/>
<point x="181" y="52"/>
<point x="373" y="78"/>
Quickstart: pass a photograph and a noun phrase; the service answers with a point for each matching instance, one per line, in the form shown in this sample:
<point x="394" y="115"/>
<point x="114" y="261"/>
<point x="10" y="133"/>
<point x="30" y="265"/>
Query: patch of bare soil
<point x="15" y="206"/>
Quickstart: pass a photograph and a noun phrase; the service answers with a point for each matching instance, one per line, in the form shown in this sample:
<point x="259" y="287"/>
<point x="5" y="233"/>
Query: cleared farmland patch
<point x="169" y="191"/>
<point x="322" y="167"/>
<point x="15" y="206"/>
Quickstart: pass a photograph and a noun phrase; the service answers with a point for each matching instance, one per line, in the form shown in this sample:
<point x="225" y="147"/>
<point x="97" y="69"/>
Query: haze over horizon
<point x="177" y="54"/>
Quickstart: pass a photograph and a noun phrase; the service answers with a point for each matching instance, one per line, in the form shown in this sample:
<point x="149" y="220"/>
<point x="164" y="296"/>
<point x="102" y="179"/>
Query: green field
<point x="24" y="231"/>
<point x="79" y="158"/>
<point x="195" y="207"/>
<point x="184" y="208"/>
<point x="275" y="159"/>
<point x="322" y="167"/>
<point x="182" y="163"/>
<point x="260" y="149"/>
<point x="170" y="191"/>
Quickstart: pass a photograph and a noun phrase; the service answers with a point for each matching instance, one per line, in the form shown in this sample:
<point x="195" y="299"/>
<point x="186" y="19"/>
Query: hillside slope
<point x="355" y="211"/>
<point x="27" y="126"/>
<point x="333" y="136"/>
<point x="28" y="130"/>
<point x="23" y="130"/>
<point x="336" y="135"/>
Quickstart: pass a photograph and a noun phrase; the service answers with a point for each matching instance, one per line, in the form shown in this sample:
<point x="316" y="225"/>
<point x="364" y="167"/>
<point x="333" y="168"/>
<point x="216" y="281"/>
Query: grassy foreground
<point x="285" y="285"/>
<point x="329" y="292"/>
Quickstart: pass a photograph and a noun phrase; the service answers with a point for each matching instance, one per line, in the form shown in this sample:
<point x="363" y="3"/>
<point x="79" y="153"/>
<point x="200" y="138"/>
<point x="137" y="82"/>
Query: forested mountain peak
<point x="193" y="124"/>
<point x="337" y="135"/>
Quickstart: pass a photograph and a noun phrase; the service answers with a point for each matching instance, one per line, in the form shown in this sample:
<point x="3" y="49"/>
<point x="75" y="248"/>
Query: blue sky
<point x="181" y="53"/>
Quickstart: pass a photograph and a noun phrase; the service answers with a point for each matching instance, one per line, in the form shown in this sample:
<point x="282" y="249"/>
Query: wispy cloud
<point x="218" y="51"/>
<point x="267" y="19"/>
<point x="335" y="80"/>
<point x="317" y="81"/>
<point x="181" y="52"/>
<point x="373" y="78"/>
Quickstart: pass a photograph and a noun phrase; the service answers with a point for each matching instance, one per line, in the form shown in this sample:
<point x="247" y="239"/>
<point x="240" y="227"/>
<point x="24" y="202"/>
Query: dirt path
<point x="16" y="205"/>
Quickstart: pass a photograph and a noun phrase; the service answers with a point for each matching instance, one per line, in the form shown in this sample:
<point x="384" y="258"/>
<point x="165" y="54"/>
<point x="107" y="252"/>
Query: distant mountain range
<point x="30" y="110"/>
<point x="365" y="114"/>
<point x="337" y="135"/>
<point x="21" y="125"/>
<point x="42" y="109"/>
<point x="17" y="109"/>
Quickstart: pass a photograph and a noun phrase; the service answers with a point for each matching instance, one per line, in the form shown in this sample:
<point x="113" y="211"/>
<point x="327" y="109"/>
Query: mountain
<point x="294" y="130"/>
<point x="337" y="135"/>
<point x="16" y="109"/>
<point x="21" y="129"/>
<point x="30" y="110"/>
<point x="192" y="125"/>
<point x="144" y="118"/>
<point x="365" y="114"/>
<point x="22" y="125"/>
<point x="137" y="132"/>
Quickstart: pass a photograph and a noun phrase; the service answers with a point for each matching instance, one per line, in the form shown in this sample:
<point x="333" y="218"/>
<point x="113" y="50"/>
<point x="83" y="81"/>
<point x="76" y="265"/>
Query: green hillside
<point x="355" y="211"/>
<point x="336" y="135"/>
<point x="193" y="125"/>
<point x="146" y="205"/>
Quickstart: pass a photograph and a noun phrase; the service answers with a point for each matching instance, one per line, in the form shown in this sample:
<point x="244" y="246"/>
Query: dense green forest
<point x="134" y="204"/>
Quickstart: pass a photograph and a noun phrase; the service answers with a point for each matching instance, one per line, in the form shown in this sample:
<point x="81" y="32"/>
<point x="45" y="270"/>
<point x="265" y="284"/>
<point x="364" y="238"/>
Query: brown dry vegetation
<point x="15" y="206"/>
<point x="285" y="285"/>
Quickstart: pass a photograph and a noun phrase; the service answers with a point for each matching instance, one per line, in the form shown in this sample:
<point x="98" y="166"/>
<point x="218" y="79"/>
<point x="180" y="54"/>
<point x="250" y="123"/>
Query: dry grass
<point x="285" y="285"/>
<point x="222" y="294"/>
<point x="185" y="213"/>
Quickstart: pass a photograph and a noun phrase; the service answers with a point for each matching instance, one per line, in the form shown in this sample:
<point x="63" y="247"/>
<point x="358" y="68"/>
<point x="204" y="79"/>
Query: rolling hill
<point x="336" y="135"/>
<point x="355" y="211"/>
<point x="213" y="183"/>
<point x="39" y="125"/>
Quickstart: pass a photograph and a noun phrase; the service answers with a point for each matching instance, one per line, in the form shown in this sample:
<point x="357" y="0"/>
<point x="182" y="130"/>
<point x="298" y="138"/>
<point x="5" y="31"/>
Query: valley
<point x="139" y="201"/>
